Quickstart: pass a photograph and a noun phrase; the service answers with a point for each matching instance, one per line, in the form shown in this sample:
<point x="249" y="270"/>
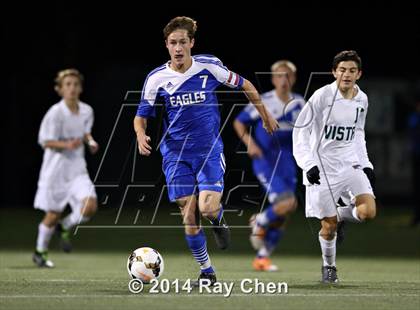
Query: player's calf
<point x="188" y="208"/>
<point x="210" y="207"/>
<point x="328" y="228"/>
<point x="90" y="207"/>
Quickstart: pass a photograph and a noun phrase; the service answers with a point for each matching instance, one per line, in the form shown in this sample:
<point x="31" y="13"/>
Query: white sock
<point x="348" y="214"/>
<point x="264" y="252"/>
<point x="74" y="218"/>
<point x="328" y="251"/>
<point x="262" y="219"/>
<point x="44" y="236"/>
<point x="355" y="216"/>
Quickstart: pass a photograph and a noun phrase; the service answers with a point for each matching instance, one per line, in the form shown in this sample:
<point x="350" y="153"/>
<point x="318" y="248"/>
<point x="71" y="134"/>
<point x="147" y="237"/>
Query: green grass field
<point x="99" y="281"/>
<point x="379" y="268"/>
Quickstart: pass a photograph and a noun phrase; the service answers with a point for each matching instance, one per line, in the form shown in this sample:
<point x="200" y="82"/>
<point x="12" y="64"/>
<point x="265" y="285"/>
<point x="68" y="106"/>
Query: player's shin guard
<point x="198" y="247"/>
<point x="328" y="249"/>
<point x="44" y="236"/>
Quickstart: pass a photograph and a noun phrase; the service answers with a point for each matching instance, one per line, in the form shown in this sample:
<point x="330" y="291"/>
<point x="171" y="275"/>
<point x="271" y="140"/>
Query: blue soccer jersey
<point x="286" y="115"/>
<point x="276" y="170"/>
<point x="192" y="118"/>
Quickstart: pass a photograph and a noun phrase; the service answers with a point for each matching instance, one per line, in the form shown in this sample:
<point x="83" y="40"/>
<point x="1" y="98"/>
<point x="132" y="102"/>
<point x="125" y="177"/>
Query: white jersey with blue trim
<point x="285" y="113"/>
<point x="192" y="118"/>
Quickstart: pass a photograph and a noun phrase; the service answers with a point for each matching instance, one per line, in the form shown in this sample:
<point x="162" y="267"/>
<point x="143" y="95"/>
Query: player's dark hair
<point x="347" y="56"/>
<point x="181" y="22"/>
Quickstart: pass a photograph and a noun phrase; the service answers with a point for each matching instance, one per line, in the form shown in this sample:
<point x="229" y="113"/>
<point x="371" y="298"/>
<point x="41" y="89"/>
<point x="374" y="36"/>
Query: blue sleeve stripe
<point x="145" y="109"/>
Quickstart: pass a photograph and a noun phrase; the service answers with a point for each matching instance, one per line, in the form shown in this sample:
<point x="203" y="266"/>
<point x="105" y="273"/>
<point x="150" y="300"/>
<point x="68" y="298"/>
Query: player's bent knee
<point x="366" y="207"/>
<point x="285" y="205"/>
<point x="367" y="213"/>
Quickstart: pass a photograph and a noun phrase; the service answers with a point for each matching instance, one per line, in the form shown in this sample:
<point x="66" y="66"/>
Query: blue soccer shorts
<point x="278" y="177"/>
<point x="186" y="177"/>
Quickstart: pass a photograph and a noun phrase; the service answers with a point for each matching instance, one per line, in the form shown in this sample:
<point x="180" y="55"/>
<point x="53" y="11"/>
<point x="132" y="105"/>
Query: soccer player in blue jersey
<point x="192" y="150"/>
<point x="272" y="160"/>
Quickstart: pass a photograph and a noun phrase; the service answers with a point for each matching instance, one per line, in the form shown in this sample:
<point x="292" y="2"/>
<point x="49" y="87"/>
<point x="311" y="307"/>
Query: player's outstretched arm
<point x="242" y="131"/>
<point x="269" y="123"/>
<point x="140" y="125"/>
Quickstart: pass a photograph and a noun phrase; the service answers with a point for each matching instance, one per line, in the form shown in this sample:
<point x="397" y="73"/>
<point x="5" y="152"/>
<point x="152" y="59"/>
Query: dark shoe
<point x="64" y="235"/>
<point x="41" y="259"/>
<point x="221" y="235"/>
<point x="204" y="278"/>
<point x="329" y="275"/>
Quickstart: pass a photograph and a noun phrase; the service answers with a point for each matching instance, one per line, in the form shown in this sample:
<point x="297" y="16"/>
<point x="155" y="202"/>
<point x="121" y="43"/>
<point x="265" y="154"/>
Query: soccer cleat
<point x="64" y="235"/>
<point x="41" y="259"/>
<point x="263" y="264"/>
<point x="329" y="275"/>
<point x="222" y="236"/>
<point x="205" y="277"/>
<point x="257" y="234"/>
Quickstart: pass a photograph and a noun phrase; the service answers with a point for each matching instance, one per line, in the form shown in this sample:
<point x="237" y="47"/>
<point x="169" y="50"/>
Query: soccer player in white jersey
<point x="272" y="160"/>
<point x="191" y="147"/>
<point x="64" y="178"/>
<point x="329" y="145"/>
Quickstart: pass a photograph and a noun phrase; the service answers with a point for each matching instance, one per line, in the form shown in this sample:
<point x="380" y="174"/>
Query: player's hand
<point x="73" y="144"/>
<point x="144" y="147"/>
<point x="93" y="146"/>
<point x="313" y="175"/>
<point x="254" y="150"/>
<point x="371" y="176"/>
<point x="270" y="124"/>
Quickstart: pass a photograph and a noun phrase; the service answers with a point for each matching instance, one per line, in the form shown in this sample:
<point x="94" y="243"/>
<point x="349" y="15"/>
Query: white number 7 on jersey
<point x="204" y="77"/>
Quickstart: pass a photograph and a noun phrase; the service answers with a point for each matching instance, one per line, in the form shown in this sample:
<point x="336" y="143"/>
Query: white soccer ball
<point x="145" y="264"/>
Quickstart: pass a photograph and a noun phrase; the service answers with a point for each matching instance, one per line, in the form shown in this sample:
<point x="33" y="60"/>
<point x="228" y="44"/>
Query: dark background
<point x="116" y="45"/>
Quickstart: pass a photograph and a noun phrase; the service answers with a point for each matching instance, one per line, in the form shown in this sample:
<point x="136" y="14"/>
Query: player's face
<point x="347" y="73"/>
<point x="179" y="46"/>
<point x="71" y="88"/>
<point x="283" y="79"/>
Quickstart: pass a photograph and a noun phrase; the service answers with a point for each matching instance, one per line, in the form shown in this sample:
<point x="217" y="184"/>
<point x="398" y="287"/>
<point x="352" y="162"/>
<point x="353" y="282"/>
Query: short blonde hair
<point x="67" y="72"/>
<point x="284" y="63"/>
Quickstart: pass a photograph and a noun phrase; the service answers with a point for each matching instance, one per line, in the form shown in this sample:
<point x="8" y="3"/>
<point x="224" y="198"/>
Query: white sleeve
<point x="302" y="131"/>
<point x="50" y="127"/>
<point x="360" y="142"/>
<point x="149" y="94"/>
<point x="89" y="121"/>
